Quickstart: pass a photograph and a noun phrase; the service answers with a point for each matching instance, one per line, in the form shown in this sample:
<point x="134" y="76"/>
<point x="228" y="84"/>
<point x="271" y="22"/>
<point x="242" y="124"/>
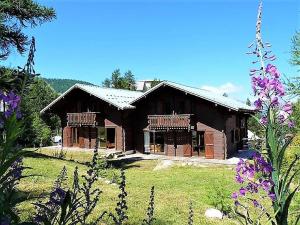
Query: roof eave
<point x="164" y="83"/>
<point x="79" y="87"/>
<point x="57" y="99"/>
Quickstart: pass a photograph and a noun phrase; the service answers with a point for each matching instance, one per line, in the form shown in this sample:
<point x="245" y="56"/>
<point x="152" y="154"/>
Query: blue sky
<point x="198" y="43"/>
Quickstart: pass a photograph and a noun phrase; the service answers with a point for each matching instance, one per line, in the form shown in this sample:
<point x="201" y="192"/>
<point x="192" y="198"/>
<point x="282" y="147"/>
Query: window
<point x="198" y="142"/>
<point x="243" y="123"/>
<point x="157" y="142"/>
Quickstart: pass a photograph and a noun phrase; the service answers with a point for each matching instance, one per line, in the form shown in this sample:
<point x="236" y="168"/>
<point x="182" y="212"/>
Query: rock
<point x="214" y="213"/>
<point x="233" y="160"/>
<point x="163" y="165"/>
<point x="107" y="182"/>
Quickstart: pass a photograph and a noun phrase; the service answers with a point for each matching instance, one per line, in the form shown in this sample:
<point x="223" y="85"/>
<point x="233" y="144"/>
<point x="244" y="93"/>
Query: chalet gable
<point x="200" y="93"/>
<point x="125" y="99"/>
<point x="116" y="97"/>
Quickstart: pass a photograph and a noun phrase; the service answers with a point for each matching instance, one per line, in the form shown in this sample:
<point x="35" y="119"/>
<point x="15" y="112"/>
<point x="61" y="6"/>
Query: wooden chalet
<point x="170" y="119"/>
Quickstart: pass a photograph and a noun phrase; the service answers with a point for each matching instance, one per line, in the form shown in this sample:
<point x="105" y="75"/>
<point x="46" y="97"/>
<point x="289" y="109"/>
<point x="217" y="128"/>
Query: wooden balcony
<point x="81" y="119"/>
<point x="169" y="122"/>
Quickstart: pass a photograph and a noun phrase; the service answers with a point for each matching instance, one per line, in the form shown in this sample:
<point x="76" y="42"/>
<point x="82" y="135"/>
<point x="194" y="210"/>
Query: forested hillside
<point x="61" y="85"/>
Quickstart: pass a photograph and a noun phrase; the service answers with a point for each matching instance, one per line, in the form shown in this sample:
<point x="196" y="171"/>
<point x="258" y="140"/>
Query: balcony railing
<point x="169" y="122"/>
<point x="81" y="119"/>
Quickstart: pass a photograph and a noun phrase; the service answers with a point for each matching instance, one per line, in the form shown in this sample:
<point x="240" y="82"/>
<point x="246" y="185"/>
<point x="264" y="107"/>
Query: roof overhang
<point x="82" y="89"/>
<point x="165" y="83"/>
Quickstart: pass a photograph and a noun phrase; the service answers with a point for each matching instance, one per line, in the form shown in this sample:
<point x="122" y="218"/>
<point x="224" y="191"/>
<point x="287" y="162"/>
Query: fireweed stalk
<point x="266" y="173"/>
<point x="11" y="153"/>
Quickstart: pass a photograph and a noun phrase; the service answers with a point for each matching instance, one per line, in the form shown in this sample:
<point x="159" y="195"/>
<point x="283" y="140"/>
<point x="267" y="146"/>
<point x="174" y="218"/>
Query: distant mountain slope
<point x="61" y="85"/>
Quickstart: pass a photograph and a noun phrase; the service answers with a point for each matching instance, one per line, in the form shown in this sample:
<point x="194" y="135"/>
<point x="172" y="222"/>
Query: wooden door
<point x="209" y="144"/>
<point x="187" y="150"/>
<point x="187" y="145"/>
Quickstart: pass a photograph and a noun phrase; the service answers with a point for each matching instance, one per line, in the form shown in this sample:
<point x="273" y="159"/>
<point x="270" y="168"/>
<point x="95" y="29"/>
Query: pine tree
<point x="127" y="81"/>
<point x="15" y="15"/>
<point x="295" y="58"/>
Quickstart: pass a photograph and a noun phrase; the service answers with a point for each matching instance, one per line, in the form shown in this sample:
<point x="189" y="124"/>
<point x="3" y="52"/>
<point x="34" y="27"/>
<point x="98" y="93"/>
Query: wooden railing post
<point x="81" y="119"/>
<point x="174" y="121"/>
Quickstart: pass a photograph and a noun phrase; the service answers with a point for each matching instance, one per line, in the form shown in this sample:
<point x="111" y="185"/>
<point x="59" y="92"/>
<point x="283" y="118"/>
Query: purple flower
<point x="264" y="120"/>
<point x="263" y="83"/>
<point x="272" y="196"/>
<point x="256" y="176"/>
<point x="291" y="124"/>
<point x="255" y="203"/>
<point x="11" y="102"/>
<point x="274" y="101"/>
<point x="288" y="108"/>
<point x="239" y="179"/>
<point x="258" y="104"/>
<point x="57" y="196"/>
<point x="16" y="170"/>
<point x="281" y="118"/>
<point x="272" y="70"/>
<point x="4" y="221"/>
<point x="266" y="185"/>
<point x="243" y="191"/>
<point x="234" y="195"/>
<point x="252" y="187"/>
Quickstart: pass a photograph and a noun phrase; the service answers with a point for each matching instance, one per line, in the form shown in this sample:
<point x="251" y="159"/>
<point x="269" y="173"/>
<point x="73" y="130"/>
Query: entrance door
<point x="102" y="137"/>
<point x="107" y="137"/>
<point x="110" y="137"/>
<point x="209" y="144"/>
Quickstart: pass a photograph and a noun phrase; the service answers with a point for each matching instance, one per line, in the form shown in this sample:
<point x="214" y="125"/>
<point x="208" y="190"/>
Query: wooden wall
<point x="206" y="116"/>
<point x="78" y="101"/>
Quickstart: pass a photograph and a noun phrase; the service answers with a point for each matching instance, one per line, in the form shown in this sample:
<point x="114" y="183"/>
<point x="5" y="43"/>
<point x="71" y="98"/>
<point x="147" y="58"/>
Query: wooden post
<point x="154" y="142"/>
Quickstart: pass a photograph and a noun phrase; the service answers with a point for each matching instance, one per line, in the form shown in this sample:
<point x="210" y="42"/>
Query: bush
<point x="106" y="170"/>
<point x="220" y="198"/>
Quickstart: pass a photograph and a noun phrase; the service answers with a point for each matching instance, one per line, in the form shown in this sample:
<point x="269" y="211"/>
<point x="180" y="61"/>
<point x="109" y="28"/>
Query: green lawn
<point x="174" y="187"/>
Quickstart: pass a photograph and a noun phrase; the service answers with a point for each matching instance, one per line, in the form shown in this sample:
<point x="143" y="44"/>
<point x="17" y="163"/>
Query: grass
<point x="174" y="187"/>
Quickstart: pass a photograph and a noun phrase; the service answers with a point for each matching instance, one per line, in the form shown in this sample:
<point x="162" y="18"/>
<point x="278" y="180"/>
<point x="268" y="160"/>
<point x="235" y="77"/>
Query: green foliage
<point x="60" y="154"/>
<point x="61" y="85"/>
<point x="39" y="96"/>
<point x="15" y="15"/>
<point x="38" y="130"/>
<point x="120" y="215"/>
<point x="41" y="132"/>
<point x="293" y="84"/>
<point x="71" y="206"/>
<point x="295" y="51"/>
<point x="121" y="82"/>
<point x="283" y="175"/>
<point x="10" y="169"/>
<point x="150" y="210"/>
<point x="253" y="124"/>
<point x="155" y="82"/>
<point x="220" y="198"/>
<point x="106" y="170"/>
<point x="296" y="114"/>
<point x="191" y="214"/>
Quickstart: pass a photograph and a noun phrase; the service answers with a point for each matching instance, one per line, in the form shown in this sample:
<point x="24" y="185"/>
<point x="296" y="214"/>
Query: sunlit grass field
<point x="175" y="187"/>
